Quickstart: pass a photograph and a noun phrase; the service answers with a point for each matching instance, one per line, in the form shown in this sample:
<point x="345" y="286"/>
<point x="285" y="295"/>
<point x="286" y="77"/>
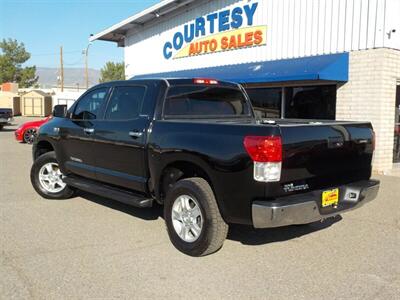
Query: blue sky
<point x="44" y="25"/>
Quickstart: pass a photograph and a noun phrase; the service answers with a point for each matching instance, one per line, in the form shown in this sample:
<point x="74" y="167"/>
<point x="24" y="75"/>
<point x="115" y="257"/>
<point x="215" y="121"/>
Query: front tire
<point x="194" y="223"/>
<point x="46" y="178"/>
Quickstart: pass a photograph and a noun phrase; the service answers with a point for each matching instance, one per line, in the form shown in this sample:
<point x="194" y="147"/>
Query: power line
<point x="78" y="62"/>
<point x="56" y="53"/>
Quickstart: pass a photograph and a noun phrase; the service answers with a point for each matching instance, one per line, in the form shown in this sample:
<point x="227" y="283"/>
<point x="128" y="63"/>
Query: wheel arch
<point x="181" y="169"/>
<point x="177" y="170"/>
<point x="42" y="147"/>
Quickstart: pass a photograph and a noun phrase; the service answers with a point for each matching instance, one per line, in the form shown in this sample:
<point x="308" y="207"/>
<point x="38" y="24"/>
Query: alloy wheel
<point x="30" y="135"/>
<point x="50" y="178"/>
<point x="187" y="218"/>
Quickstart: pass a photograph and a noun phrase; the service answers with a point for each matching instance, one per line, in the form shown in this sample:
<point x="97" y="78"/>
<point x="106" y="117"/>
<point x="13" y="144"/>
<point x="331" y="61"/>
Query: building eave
<point x="117" y="32"/>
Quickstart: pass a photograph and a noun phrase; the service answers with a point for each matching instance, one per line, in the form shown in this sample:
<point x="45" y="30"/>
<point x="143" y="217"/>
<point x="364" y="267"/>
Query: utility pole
<point x="62" y="69"/>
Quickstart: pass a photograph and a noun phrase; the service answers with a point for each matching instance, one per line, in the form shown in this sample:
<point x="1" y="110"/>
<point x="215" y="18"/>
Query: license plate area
<point x="330" y="197"/>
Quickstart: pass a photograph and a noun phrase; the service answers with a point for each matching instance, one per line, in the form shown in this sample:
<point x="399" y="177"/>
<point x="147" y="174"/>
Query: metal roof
<point x="8" y="94"/>
<point x="39" y="92"/>
<point x="333" y="67"/>
<point x="117" y="32"/>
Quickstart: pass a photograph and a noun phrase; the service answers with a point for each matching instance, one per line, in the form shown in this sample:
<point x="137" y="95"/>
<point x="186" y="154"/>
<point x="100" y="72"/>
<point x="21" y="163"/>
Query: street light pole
<point x="61" y="69"/>
<point x="86" y="52"/>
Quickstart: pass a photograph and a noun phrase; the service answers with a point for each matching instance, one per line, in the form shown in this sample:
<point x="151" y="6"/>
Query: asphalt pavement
<point x="92" y="247"/>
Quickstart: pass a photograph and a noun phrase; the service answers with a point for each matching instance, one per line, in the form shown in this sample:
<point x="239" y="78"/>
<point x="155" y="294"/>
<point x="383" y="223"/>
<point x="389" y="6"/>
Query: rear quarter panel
<point x="218" y="149"/>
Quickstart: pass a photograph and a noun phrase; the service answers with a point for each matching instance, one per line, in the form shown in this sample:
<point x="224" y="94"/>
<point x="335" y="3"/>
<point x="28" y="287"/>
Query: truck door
<point x="76" y="134"/>
<point x="120" y="139"/>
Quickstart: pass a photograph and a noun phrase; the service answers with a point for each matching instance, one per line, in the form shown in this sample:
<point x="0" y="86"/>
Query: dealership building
<point x="307" y="59"/>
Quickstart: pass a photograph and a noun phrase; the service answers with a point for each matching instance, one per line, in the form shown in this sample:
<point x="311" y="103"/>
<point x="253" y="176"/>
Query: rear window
<point x="205" y="101"/>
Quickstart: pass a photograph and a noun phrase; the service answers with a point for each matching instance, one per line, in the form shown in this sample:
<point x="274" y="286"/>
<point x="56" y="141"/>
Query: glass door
<point x="396" y="148"/>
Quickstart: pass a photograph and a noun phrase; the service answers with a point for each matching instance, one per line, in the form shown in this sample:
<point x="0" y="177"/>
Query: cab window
<point x="88" y="108"/>
<point x="125" y="103"/>
<point x="205" y="101"/>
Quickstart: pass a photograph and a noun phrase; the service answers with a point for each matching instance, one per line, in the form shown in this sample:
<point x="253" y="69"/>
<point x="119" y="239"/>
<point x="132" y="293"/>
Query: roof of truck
<point x="173" y="81"/>
<point x="187" y="80"/>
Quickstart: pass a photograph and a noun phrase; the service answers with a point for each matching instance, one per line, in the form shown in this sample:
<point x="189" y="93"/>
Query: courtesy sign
<point x="227" y="30"/>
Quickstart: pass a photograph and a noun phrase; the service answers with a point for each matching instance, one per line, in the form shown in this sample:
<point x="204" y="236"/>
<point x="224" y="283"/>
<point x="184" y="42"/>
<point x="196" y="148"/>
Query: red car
<point x="27" y="132"/>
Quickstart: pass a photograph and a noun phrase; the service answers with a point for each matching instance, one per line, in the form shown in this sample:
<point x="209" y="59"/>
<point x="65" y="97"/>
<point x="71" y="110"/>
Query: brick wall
<point x="10" y="87"/>
<point x="370" y="95"/>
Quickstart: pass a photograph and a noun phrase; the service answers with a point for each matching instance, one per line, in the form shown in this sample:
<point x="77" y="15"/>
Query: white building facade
<point x="327" y="59"/>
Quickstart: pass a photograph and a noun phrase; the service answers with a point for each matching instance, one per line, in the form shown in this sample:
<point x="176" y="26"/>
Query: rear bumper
<point x="306" y="208"/>
<point x="6" y="120"/>
<point x="18" y="135"/>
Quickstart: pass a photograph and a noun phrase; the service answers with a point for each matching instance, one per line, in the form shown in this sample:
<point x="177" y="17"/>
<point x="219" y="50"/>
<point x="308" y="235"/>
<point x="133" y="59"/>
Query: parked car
<point x="6" y="116"/>
<point x="196" y="147"/>
<point x="27" y="132"/>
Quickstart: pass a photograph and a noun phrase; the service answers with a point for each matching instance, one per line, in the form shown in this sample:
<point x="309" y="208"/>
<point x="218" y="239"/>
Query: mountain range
<point x="72" y="77"/>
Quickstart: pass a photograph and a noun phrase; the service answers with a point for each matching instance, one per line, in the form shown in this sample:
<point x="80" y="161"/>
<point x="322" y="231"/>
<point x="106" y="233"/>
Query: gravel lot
<point x="91" y="247"/>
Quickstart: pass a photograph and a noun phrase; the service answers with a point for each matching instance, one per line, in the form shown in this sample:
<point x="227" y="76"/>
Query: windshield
<point x="205" y="102"/>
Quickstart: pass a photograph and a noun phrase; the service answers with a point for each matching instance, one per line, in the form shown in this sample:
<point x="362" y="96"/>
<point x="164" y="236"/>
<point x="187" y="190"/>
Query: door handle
<point x="135" y="134"/>
<point x="88" y="130"/>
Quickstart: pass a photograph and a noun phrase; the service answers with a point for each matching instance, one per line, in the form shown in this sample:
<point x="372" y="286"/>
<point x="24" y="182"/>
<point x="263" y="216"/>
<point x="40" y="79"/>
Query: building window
<point x="266" y="101"/>
<point x="314" y="102"/>
<point x="303" y="102"/>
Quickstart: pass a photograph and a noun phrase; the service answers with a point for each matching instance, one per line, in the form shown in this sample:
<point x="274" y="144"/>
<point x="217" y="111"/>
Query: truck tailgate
<point x="325" y="155"/>
<point x="5" y="115"/>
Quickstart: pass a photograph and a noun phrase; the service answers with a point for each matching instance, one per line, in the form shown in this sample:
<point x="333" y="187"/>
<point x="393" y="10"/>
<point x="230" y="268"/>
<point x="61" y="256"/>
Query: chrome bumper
<point x="306" y="208"/>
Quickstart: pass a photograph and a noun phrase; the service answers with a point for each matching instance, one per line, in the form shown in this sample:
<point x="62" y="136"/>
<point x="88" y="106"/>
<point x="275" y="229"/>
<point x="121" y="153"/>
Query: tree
<point x="12" y="56"/>
<point x="112" y="71"/>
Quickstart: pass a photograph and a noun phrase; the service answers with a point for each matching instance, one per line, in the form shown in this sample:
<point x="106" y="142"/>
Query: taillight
<point x="264" y="148"/>
<point x="205" y="81"/>
<point x="266" y="152"/>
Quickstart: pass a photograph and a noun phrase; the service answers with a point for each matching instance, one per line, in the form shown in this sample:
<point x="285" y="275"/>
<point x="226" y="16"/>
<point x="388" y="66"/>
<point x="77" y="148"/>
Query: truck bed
<point x="316" y="155"/>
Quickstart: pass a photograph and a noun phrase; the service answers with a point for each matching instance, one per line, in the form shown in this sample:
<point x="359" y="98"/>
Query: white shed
<point x="67" y="98"/>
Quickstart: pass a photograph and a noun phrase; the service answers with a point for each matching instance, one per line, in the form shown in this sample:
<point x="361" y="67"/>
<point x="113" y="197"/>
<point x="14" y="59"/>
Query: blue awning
<point x="333" y="67"/>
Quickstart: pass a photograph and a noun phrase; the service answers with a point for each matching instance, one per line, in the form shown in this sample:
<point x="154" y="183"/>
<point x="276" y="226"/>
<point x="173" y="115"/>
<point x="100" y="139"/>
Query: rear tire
<point x="46" y="178"/>
<point x="194" y="223"/>
<point x="29" y="135"/>
<point x="1" y="127"/>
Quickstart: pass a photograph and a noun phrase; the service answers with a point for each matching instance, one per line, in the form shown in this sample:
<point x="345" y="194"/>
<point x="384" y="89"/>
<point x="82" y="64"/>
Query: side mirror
<point x="60" y="111"/>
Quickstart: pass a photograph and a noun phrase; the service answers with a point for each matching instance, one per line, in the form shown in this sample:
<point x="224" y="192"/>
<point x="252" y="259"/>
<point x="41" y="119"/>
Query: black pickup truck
<point x="196" y="147"/>
<point x="6" y="116"/>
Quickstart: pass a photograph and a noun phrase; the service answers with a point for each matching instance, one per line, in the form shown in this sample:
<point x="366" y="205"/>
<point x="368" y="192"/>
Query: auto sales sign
<point x="226" y="30"/>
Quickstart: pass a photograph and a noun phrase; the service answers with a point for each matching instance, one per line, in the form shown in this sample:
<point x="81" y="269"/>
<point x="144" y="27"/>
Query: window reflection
<point x="266" y="101"/>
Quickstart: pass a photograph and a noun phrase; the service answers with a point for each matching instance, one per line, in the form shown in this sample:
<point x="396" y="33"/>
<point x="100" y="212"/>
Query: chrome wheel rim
<point x="29" y="136"/>
<point x="50" y="178"/>
<point x="187" y="218"/>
